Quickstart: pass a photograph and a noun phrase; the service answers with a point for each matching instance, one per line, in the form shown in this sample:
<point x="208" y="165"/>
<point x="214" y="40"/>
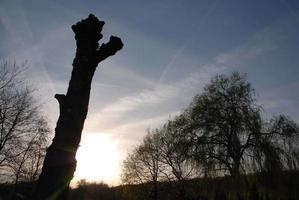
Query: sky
<point x="172" y="48"/>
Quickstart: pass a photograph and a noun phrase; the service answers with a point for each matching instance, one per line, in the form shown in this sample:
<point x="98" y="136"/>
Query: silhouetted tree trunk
<point x="155" y="190"/>
<point x="60" y="162"/>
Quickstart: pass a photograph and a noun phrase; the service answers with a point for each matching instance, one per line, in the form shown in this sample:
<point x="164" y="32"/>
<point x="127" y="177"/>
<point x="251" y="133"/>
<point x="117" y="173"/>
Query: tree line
<point x="221" y="133"/>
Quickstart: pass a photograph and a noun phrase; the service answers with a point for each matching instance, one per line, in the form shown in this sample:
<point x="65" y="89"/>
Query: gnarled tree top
<point x="88" y="33"/>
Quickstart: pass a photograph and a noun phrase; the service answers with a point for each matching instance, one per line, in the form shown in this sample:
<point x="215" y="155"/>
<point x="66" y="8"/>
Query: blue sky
<point x="172" y="49"/>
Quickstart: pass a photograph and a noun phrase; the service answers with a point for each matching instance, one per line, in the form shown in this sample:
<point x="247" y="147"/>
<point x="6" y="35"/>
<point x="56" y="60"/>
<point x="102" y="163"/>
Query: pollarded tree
<point x="60" y="162"/>
<point x="224" y="123"/>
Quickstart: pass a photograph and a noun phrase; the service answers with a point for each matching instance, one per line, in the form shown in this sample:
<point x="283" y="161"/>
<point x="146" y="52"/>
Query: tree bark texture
<point x="60" y="163"/>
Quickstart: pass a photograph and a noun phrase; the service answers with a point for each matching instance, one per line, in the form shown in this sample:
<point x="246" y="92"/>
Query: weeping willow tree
<point x="60" y="163"/>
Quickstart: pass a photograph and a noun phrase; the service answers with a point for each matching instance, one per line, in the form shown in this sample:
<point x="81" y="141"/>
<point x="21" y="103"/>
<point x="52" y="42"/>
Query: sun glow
<point x="97" y="159"/>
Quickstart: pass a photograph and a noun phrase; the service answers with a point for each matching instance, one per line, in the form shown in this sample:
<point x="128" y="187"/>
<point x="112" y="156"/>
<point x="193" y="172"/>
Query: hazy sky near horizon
<point x="172" y="48"/>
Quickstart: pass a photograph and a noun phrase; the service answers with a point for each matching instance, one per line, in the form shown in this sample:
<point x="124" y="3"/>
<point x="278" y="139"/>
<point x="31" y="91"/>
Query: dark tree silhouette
<point x="144" y="165"/>
<point x="224" y="122"/>
<point x="23" y="129"/>
<point x="60" y="162"/>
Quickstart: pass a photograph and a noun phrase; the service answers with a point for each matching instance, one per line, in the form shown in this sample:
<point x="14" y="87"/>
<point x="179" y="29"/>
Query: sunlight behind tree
<point x="97" y="159"/>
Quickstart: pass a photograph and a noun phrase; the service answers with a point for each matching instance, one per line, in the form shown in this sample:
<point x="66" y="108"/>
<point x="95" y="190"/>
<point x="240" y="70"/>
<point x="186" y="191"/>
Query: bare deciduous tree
<point x="27" y="165"/>
<point x="18" y="113"/>
<point x="175" y="150"/>
<point x="24" y="131"/>
<point x="144" y="164"/>
<point x="176" y="154"/>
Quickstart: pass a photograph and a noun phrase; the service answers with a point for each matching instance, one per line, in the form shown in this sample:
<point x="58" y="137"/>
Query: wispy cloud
<point x="162" y="97"/>
<point x="281" y="100"/>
